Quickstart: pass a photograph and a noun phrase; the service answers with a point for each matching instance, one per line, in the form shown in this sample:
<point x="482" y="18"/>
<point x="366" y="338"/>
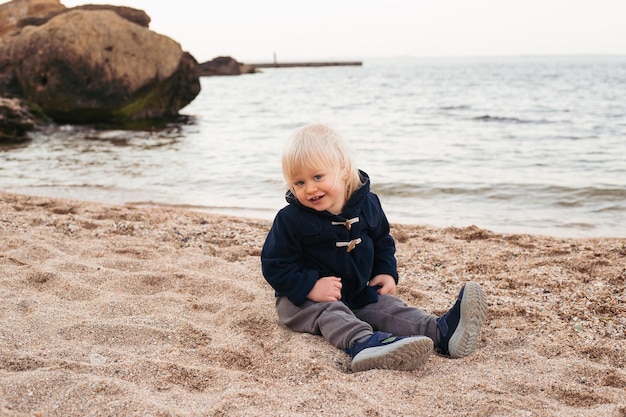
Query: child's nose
<point x="311" y="187"/>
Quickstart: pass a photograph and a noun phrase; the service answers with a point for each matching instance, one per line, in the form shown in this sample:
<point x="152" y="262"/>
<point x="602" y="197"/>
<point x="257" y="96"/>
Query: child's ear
<point x="346" y="173"/>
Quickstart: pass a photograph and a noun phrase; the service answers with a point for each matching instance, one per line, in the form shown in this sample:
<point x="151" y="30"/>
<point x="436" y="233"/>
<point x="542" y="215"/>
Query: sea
<point x="528" y="144"/>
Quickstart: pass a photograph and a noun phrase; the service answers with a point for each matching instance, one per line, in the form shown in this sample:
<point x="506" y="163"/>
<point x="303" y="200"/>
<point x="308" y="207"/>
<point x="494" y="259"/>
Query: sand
<point x="127" y="311"/>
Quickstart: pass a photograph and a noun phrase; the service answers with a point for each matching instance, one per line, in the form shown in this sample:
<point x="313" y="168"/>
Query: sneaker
<point x="385" y="351"/>
<point x="460" y="326"/>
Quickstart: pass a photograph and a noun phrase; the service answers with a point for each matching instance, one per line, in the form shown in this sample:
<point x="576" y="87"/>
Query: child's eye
<point x="299" y="183"/>
<point x="318" y="177"/>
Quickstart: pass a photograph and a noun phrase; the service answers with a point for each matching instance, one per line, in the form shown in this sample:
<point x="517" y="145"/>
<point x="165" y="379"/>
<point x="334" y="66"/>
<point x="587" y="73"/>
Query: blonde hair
<point x="317" y="146"/>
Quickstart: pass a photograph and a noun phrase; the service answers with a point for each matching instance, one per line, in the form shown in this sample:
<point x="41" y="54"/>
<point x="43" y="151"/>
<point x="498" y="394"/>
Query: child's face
<point x="316" y="188"/>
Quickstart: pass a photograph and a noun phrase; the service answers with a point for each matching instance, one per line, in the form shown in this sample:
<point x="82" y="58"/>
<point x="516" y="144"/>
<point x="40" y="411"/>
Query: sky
<point x="252" y="31"/>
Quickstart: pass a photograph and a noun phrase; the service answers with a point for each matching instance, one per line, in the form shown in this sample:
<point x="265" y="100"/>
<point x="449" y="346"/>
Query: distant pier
<point x="226" y="65"/>
<point x="308" y="64"/>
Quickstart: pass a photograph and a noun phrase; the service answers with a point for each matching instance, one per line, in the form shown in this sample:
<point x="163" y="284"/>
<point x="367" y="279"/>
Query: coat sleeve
<point x="280" y="262"/>
<point x="384" y="245"/>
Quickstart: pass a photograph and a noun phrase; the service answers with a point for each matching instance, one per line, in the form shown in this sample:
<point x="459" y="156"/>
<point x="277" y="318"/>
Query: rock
<point x="13" y="12"/>
<point x="224" y="65"/>
<point x="97" y="359"/>
<point x="97" y="64"/>
<point x="133" y="15"/>
<point x="15" y="119"/>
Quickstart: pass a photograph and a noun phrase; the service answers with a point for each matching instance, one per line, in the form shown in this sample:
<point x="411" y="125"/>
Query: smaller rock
<point x="224" y="65"/>
<point x="97" y="359"/>
<point x="12" y="12"/>
<point x="16" y="119"/>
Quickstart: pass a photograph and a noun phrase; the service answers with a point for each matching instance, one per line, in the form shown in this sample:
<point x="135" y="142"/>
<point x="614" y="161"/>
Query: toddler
<point x="331" y="261"/>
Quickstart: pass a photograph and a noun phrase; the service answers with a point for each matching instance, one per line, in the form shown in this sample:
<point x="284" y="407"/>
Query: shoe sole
<point x="473" y="312"/>
<point x="404" y="355"/>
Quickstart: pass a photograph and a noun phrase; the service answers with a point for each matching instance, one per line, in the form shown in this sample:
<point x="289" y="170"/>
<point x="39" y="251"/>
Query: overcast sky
<point x="252" y="31"/>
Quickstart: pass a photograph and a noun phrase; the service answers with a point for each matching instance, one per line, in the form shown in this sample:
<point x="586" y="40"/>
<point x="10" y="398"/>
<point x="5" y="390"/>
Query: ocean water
<point x="515" y="145"/>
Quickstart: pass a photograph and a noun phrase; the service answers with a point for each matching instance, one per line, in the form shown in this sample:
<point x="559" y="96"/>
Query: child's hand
<point x="385" y="283"/>
<point x="326" y="289"/>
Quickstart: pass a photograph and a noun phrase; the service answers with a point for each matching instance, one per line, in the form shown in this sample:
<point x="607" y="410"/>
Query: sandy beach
<point x="137" y="311"/>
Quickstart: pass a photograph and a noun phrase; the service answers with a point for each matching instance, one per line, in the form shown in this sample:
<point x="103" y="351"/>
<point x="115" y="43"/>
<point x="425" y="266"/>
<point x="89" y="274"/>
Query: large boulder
<point x="91" y="64"/>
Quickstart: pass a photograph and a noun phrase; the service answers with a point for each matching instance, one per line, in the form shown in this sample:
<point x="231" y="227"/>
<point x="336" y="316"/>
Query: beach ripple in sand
<point x="110" y="310"/>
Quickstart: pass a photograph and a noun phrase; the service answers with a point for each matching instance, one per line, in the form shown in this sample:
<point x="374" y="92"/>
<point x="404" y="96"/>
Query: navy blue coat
<point x="304" y="245"/>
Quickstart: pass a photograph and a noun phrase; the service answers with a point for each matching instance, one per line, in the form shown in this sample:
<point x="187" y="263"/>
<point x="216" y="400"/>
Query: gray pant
<point x="342" y="326"/>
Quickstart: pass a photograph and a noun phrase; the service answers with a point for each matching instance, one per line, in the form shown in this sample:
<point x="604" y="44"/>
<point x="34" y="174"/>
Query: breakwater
<point x="307" y="64"/>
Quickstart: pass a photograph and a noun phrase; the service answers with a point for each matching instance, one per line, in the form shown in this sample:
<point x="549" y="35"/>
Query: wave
<point x="459" y="107"/>
<point x="560" y="195"/>
<point x="500" y="119"/>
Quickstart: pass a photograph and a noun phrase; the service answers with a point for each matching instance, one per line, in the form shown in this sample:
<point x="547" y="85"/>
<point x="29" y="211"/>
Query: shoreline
<point x="133" y="310"/>
<point x="565" y="231"/>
